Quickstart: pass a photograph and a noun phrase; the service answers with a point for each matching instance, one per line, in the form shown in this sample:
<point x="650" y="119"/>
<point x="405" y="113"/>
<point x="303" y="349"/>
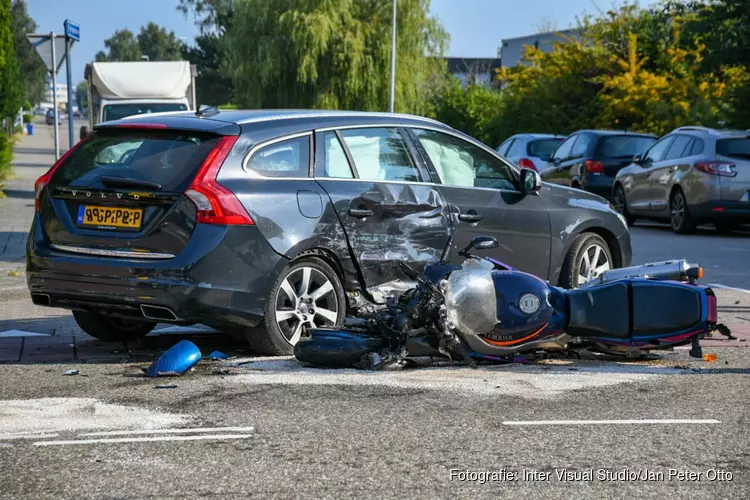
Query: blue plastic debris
<point x="217" y="355"/>
<point x="177" y="360"/>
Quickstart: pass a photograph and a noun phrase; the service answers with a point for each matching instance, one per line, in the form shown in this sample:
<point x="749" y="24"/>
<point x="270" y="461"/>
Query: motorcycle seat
<point x="627" y="310"/>
<point x="602" y="311"/>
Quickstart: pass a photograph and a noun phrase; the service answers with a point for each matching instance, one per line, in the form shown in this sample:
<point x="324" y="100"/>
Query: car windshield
<point x="543" y="147"/>
<point x="624" y="146"/>
<point x="734" y="148"/>
<point x="167" y="158"/>
<point x="119" y="111"/>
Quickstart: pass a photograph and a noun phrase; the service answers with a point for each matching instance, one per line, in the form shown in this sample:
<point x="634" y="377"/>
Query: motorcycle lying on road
<point x="483" y="309"/>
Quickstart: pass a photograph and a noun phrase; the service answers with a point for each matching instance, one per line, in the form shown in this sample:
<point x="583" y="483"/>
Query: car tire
<point x="680" y="219"/>
<point x="112" y="329"/>
<point x="621" y="205"/>
<point x="588" y="256"/>
<point x="286" y="317"/>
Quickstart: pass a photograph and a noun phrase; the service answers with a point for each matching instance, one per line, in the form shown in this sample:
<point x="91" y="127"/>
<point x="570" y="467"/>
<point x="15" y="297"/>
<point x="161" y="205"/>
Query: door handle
<point x="360" y="212"/>
<point x="471" y="216"/>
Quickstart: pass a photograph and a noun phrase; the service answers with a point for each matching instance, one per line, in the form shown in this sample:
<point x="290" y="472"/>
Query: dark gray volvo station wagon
<point x="267" y="222"/>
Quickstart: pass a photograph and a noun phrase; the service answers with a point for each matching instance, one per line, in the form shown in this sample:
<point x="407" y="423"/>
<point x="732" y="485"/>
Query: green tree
<point x="474" y="110"/>
<point x="30" y="65"/>
<point x="122" y="46"/>
<point x="82" y="97"/>
<point x="333" y="54"/>
<point x="159" y="44"/>
<point x="11" y="88"/>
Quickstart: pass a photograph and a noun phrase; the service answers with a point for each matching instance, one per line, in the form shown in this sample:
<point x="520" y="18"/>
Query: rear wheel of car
<point x="679" y="214"/>
<point x="112" y="329"/>
<point x="620" y="203"/>
<point x="307" y="294"/>
<point x="588" y="257"/>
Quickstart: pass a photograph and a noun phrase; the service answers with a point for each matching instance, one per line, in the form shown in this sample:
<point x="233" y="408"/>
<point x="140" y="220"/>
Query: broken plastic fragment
<point x="709" y="357"/>
<point x="177" y="360"/>
<point x="218" y="355"/>
<point x="73" y="372"/>
<point x="170" y="386"/>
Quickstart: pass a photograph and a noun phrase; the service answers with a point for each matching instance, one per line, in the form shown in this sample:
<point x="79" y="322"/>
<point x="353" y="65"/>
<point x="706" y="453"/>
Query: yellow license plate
<point x="128" y="218"/>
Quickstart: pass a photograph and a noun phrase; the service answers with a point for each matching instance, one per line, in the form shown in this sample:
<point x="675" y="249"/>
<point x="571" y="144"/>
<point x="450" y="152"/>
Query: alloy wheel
<point x="619" y="201"/>
<point x="677" y="212"/>
<point x="305" y="299"/>
<point x="594" y="261"/>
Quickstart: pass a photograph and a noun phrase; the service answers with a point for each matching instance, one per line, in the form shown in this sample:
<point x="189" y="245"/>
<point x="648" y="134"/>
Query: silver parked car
<point x="691" y="176"/>
<point x="530" y="150"/>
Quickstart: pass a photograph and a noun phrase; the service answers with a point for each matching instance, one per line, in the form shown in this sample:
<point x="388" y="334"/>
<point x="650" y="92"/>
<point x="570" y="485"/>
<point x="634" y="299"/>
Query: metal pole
<point x="54" y="95"/>
<point x="393" y="59"/>
<point x="68" y="64"/>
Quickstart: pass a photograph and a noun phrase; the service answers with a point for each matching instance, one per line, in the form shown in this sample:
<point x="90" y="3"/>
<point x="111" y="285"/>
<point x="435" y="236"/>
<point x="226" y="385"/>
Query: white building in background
<point x="512" y="49"/>
<point x="61" y="89"/>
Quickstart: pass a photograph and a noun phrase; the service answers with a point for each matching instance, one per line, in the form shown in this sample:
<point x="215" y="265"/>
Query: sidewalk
<point x="32" y="156"/>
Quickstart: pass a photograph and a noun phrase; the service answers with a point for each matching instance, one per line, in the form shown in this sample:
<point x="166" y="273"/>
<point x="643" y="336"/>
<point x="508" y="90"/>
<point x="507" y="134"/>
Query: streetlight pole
<point x="393" y="59"/>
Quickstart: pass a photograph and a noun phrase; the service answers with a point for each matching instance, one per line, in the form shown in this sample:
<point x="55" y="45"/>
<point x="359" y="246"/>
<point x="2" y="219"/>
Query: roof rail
<point x="694" y="128"/>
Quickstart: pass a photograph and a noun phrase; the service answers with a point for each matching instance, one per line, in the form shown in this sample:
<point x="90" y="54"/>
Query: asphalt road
<point x="674" y="427"/>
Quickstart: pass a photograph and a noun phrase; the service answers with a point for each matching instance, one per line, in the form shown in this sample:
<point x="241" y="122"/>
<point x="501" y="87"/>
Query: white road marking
<point x="21" y="333"/>
<point x="194" y="430"/>
<point x="8" y="437"/>
<point x="716" y="285"/>
<point x="143" y="439"/>
<point x="610" y="422"/>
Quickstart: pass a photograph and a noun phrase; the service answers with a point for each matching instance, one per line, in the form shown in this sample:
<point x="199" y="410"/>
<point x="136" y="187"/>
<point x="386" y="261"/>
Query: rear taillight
<point x="526" y="163"/>
<point x="595" y="167"/>
<point x="723" y="168"/>
<point x="215" y="203"/>
<point x="712" y="308"/>
<point x="42" y="182"/>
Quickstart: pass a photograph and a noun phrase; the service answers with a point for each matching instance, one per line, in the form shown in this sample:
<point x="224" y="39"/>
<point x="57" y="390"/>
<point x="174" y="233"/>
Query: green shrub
<point x="27" y="118"/>
<point x="6" y="156"/>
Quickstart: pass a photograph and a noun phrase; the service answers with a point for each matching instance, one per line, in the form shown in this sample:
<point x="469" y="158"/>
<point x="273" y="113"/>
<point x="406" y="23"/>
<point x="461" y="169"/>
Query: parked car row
<point x="691" y="176"/>
<point x="268" y="222"/>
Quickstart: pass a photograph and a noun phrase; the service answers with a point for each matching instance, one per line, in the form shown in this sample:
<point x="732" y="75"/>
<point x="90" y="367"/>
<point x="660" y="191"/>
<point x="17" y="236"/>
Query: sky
<point x="476" y="27"/>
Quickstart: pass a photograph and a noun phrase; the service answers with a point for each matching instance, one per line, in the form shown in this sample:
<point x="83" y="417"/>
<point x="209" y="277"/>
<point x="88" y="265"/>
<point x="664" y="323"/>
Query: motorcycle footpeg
<point x="696" y="350"/>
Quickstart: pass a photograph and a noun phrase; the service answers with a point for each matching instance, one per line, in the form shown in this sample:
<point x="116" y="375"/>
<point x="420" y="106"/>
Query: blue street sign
<point x="72" y="30"/>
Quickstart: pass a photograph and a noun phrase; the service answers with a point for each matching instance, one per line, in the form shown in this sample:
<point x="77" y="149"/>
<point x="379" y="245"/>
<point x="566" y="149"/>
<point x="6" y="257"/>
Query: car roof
<point x="614" y="132"/>
<point x="537" y="136"/>
<point x="717" y="133"/>
<point x="218" y="120"/>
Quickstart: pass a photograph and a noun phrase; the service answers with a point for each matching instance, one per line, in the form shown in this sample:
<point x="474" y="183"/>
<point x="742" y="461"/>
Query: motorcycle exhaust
<point x="672" y="270"/>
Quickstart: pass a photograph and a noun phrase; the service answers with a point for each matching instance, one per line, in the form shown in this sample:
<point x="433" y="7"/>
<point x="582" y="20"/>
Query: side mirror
<point x="545" y="156"/>
<point x="556" y="161"/>
<point x="84" y="132"/>
<point x="531" y="181"/>
<point x="637" y="159"/>
<point x="480" y="243"/>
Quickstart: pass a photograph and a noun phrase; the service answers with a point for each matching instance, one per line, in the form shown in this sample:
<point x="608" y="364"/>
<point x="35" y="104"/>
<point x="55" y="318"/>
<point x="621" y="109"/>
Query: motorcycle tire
<point x="331" y="348"/>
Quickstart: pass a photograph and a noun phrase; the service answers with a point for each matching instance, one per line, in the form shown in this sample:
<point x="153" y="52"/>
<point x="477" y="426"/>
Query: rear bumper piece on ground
<point x="222" y="277"/>
<point x="724" y="211"/>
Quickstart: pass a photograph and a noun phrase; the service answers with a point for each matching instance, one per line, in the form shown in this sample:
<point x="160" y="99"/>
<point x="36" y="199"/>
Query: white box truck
<point x="120" y="89"/>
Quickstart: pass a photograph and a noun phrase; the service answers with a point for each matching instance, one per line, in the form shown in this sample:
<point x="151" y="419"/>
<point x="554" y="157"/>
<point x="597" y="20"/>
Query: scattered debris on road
<point x="216" y="355"/>
<point x="73" y="372"/>
<point x="176" y="361"/>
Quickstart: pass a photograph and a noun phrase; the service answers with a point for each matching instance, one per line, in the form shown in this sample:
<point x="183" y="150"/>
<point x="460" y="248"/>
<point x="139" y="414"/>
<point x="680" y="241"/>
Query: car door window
<point x="678" y="147"/>
<point x="517" y="149"/>
<point x="380" y="154"/>
<point x="580" y="146"/>
<point x="460" y="163"/>
<point x="333" y="157"/>
<point x="656" y="153"/>
<point x="504" y="147"/>
<point x="563" y="151"/>
<point x="697" y="147"/>
<point x="289" y="158"/>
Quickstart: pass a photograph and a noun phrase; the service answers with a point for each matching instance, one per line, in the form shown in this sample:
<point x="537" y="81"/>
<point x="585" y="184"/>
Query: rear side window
<point x="517" y="149"/>
<point x="624" y="146"/>
<point x="168" y="158"/>
<point x="335" y="164"/>
<point x="543" y="147"/>
<point x="380" y="154"/>
<point x="581" y="145"/>
<point x="697" y="148"/>
<point x="679" y="148"/>
<point x="734" y="148"/>
<point x="289" y="158"/>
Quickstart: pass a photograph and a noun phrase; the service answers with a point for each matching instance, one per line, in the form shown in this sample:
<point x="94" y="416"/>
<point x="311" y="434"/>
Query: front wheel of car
<point x="588" y="257"/>
<point x="307" y="294"/>
<point x="112" y="329"/>
<point x="680" y="219"/>
<point x="620" y="203"/>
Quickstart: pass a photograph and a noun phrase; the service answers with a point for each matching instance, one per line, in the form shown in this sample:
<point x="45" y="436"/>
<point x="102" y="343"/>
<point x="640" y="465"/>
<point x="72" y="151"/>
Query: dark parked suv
<point x="267" y="222"/>
<point x="590" y="159"/>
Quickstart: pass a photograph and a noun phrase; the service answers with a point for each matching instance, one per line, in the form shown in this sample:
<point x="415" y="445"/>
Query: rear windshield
<point x="734" y="148"/>
<point x="543" y="147"/>
<point x="118" y="111"/>
<point x="168" y="158"/>
<point x="624" y="146"/>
